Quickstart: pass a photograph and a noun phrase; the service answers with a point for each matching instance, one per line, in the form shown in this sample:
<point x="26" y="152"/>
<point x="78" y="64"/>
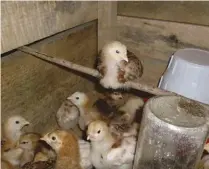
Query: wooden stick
<point x="92" y="72"/>
<point x="61" y="62"/>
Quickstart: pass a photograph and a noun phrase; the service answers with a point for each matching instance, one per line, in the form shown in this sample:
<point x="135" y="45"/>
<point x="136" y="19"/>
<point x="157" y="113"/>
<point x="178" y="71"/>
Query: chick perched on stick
<point x="66" y="147"/>
<point x="118" y="66"/>
<point x="105" y="148"/>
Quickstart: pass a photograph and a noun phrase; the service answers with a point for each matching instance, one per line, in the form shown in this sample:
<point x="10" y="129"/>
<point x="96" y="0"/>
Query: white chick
<point x="67" y="115"/>
<point x="101" y="142"/>
<point x="29" y="142"/>
<point x="12" y="128"/>
<point x="106" y="151"/>
<point x="12" y="156"/>
<point x="66" y="146"/>
<point x="122" y="157"/>
<point x="87" y="112"/>
<point x="117" y="66"/>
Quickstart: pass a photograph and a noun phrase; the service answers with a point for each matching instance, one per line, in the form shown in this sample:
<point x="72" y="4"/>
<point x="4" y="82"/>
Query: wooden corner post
<point x="107" y="22"/>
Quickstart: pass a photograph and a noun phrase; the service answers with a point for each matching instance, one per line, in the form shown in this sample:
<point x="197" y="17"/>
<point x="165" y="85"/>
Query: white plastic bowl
<point x="187" y="74"/>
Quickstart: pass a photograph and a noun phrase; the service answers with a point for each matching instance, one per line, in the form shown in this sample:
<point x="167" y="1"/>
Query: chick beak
<point x="44" y="138"/>
<point x="125" y="58"/>
<point x="26" y="123"/>
<point x="88" y="137"/>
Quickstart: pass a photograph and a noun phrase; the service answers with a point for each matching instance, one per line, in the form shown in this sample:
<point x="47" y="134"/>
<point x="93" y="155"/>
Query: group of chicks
<point x="108" y="123"/>
<point x="107" y="120"/>
<point x="20" y="149"/>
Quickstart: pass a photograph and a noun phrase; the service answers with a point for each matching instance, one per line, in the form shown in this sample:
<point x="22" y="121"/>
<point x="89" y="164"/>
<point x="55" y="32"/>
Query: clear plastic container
<point x="172" y="134"/>
<point x="187" y="74"/>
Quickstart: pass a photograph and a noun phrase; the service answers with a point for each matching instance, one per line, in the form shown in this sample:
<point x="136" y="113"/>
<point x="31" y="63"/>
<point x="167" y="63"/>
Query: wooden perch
<point x="92" y="72"/>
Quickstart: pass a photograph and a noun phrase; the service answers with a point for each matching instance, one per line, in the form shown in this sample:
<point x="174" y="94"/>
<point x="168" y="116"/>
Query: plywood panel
<point x="160" y="39"/>
<point x="24" y="22"/>
<point x="107" y="22"/>
<point x="34" y="88"/>
<point x="181" y="11"/>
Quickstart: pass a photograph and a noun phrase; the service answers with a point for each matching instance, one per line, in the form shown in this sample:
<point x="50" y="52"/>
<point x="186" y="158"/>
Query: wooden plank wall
<point x="24" y="22"/>
<point x="155" y="30"/>
<point x="34" y="88"/>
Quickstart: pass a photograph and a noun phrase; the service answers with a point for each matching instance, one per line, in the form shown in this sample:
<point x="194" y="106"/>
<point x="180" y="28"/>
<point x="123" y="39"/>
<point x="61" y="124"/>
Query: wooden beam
<point x="24" y="22"/>
<point x="160" y="39"/>
<point x="181" y="11"/>
<point x="107" y="22"/>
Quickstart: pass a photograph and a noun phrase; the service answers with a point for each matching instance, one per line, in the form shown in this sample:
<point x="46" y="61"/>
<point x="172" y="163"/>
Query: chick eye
<point x="53" y="138"/>
<point x="24" y="142"/>
<point x="77" y="98"/>
<point x="17" y="122"/>
<point x="98" y="131"/>
<point x="117" y="51"/>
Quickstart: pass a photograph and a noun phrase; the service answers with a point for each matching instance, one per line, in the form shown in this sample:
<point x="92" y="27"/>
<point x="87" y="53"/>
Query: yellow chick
<point x="88" y="113"/>
<point x="108" y="152"/>
<point x="65" y="144"/>
<point x="101" y="142"/>
<point x="29" y="142"/>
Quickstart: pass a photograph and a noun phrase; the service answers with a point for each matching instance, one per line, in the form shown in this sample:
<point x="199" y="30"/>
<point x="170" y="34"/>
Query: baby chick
<point x="101" y="142"/>
<point x="105" y="149"/>
<point x="118" y="65"/>
<point x="65" y="144"/>
<point x="12" y="128"/>
<point x="67" y="115"/>
<point x="29" y="142"/>
<point x="49" y="164"/>
<point x="115" y="99"/>
<point x="88" y="113"/>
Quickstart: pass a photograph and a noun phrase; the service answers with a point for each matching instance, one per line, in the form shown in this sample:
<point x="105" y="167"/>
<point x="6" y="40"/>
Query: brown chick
<point x="29" y="142"/>
<point x="118" y="65"/>
<point x="65" y="144"/>
<point x="50" y="164"/>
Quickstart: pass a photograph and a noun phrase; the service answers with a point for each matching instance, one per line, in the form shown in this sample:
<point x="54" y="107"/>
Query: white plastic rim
<point x="187" y="74"/>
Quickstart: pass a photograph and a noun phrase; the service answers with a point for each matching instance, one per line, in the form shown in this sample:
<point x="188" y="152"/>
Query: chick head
<point x="78" y="98"/>
<point x="15" y="123"/>
<point x="59" y="139"/>
<point x="115" y="95"/>
<point x="97" y="130"/>
<point x="115" y="50"/>
<point x="29" y="141"/>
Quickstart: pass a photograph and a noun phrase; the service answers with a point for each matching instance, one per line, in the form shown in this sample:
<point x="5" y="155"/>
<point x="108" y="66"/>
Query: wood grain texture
<point x="24" y="22"/>
<point x="34" y="88"/>
<point x="160" y="39"/>
<point x="181" y="11"/>
<point x="107" y="22"/>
